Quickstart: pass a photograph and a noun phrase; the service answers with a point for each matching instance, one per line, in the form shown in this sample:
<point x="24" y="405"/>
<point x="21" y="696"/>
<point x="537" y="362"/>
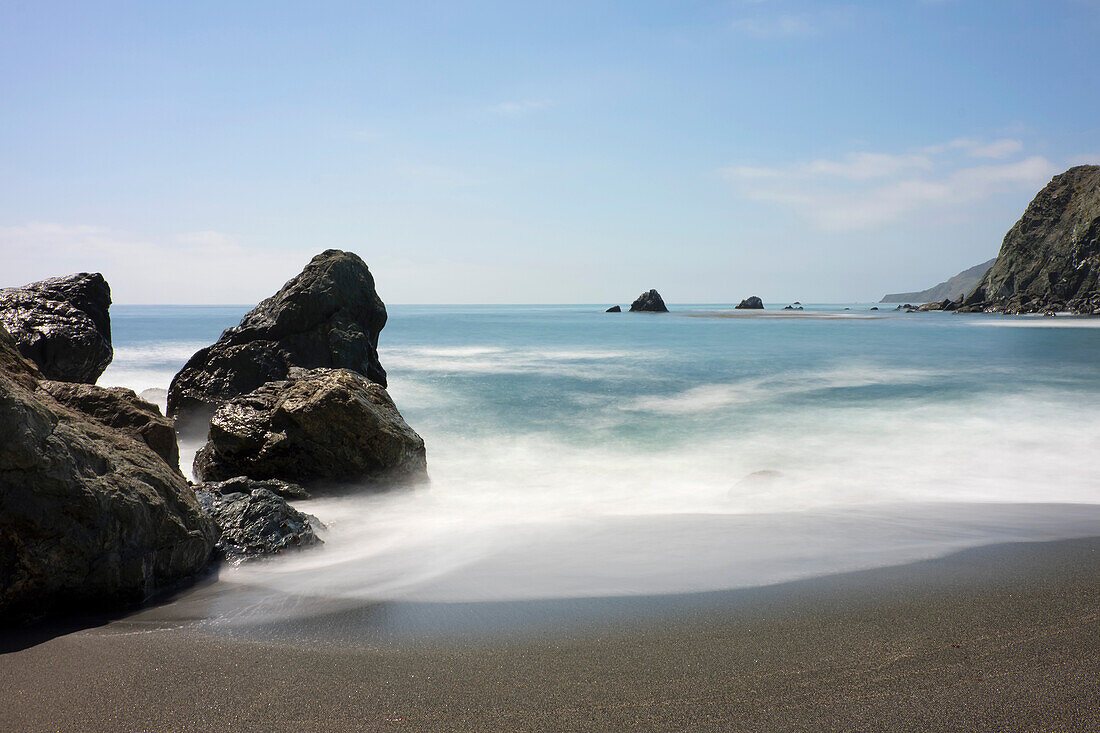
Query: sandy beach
<point x="1003" y="637"/>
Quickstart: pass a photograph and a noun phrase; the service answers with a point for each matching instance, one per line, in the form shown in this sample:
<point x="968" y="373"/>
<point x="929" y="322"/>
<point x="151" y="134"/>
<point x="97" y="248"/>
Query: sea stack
<point x="1050" y="259"/>
<point x="328" y="316"/>
<point x="649" y="302"/>
<point x="62" y="324"/>
<point x="750" y="303"/>
<point x="614" y="309"/>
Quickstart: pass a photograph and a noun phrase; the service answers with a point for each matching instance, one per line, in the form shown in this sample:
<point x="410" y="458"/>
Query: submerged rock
<point x="256" y="522"/>
<point x="1050" y="259"/>
<point x="614" y="309"/>
<point x="90" y="517"/>
<point x="63" y="325"/>
<point x="123" y="410"/>
<point x="750" y="303"/>
<point x="328" y="316"/>
<point x="649" y="302"/>
<point x="317" y="426"/>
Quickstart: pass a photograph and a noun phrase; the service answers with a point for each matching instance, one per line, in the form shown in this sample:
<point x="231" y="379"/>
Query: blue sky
<point x="487" y="152"/>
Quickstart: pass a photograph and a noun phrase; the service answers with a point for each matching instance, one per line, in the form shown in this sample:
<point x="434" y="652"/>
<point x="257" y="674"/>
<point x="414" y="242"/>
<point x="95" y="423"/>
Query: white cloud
<point x="864" y="190"/>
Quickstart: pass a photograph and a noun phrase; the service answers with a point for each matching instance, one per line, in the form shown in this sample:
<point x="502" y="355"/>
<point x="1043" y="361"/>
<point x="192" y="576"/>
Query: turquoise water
<point x="574" y="452"/>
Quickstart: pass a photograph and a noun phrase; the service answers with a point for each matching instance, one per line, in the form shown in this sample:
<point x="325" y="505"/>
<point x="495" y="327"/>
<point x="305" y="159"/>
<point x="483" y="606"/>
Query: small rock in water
<point x="614" y="309"/>
<point x="649" y="302"/>
<point x="256" y="523"/>
<point x="750" y="303"/>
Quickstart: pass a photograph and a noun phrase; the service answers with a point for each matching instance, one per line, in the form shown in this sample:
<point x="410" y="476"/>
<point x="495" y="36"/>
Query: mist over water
<point x="580" y="454"/>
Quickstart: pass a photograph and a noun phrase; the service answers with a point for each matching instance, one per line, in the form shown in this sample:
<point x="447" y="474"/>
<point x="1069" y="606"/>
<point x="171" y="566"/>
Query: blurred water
<point x="578" y="453"/>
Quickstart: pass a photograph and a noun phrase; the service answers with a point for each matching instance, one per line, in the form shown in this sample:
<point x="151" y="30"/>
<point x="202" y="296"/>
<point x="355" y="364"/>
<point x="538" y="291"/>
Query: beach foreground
<point x="1003" y="637"/>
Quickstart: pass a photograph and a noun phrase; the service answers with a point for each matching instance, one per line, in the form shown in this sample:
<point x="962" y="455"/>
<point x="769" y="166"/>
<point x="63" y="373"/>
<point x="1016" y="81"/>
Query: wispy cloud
<point x="864" y="189"/>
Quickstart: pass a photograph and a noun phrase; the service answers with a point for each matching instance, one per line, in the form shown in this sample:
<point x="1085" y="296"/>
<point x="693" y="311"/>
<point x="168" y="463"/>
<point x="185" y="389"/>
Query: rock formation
<point x="1050" y="259"/>
<point x="316" y="426"/>
<point x="90" y="517"/>
<point x="329" y="316"/>
<point x="955" y="287"/>
<point x="245" y="485"/>
<point x="616" y="309"/>
<point x="123" y="410"/>
<point x="650" y="302"/>
<point x="62" y="325"/>
<point x="256" y="522"/>
<point x="750" y="303"/>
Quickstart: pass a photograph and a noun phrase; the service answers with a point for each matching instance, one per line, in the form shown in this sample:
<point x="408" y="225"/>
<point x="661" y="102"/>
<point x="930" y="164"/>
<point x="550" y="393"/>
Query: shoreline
<point x="1002" y="636"/>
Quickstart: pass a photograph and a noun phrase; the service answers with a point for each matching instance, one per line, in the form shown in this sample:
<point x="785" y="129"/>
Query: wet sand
<point x="1003" y="637"/>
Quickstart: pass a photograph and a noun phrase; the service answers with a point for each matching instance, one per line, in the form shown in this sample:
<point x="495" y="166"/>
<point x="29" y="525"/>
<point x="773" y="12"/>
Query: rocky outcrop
<point x="123" y="410"/>
<point x="244" y="485"/>
<point x="255" y="521"/>
<point x="750" y="303"/>
<point x="63" y="325"/>
<point x="90" y="517"/>
<point x="1050" y="259"/>
<point x="649" y="302"/>
<point x="318" y="426"/>
<point x="327" y="316"/>
<point x="616" y="309"/>
<point x="955" y="287"/>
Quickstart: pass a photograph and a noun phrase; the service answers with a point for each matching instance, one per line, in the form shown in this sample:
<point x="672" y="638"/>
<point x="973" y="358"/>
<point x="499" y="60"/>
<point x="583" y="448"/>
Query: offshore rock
<point x="614" y="309"/>
<point x="317" y="426"/>
<point x="123" y="410"/>
<point x="62" y="324"/>
<point x="329" y="316"/>
<point x="256" y="522"/>
<point x="750" y="303"/>
<point x="1050" y="259"/>
<point x="90" y="517"/>
<point x="649" y="302"/>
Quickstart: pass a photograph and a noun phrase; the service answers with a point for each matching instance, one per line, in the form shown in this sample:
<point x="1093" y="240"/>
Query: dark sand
<point x="996" y="638"/>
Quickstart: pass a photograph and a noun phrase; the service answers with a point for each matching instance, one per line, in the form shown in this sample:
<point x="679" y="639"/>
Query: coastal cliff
<point x="953" y="288"/>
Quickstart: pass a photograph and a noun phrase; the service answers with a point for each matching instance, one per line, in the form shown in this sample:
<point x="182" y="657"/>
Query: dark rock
<point x="328" y="316"/>
<point x="123" y="410"/>
<point x="614" y="309"/>
<point x="1051" y="256"/>
<point x="90" y="517"/>
<point x="62" y="324"/>
<point x="797" y="303"/>
<point x="242" y="484"/>
<point x="874" y="309"/>
<point x="257" y="522"/>
<point x="317" y="426"/>
<point x="788" y="308"/>
<point x="650" y="302"/>
<point x="750" y="303"/>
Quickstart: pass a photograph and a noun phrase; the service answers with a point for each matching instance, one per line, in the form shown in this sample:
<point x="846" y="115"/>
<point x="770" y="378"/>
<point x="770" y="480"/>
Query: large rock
<point x="122" y="409"/>
<point x="319" y="426"/>
<point x="750" y="303"/>
<point x="955" y="287"/>
<point x="62" y="324"/>
<point x="90" y="517"/>
<point x="650" y="302"/>
<point x="1050" y="259"/>
<point x="327" y="316"/>
<point x="256" y="522"/>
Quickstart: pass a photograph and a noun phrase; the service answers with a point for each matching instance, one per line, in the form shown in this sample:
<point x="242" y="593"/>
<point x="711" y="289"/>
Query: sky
<point x="527" y="152"/>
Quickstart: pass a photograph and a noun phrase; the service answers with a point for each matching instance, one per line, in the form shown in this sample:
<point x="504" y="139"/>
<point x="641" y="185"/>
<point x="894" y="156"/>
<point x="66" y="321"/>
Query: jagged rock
<point x="317" y="426"/>
<point x="614" y="309"/>
<point x="243" y="484"/>
<point x="62" y="324"/>
<point x="329" y="316"/>
<point x="957" y="286"/>
<point x="256" y="522"/>
<point x="750" y="303"/>
<point x="649" y="302"/>
<point x="1050" y="259"/>
<point x="123" y="410"/>
<point x="90" y="517"/>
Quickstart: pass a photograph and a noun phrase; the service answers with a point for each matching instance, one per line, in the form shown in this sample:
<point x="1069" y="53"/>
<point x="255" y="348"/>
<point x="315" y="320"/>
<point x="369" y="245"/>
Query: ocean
<point x="580" y="454"/>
